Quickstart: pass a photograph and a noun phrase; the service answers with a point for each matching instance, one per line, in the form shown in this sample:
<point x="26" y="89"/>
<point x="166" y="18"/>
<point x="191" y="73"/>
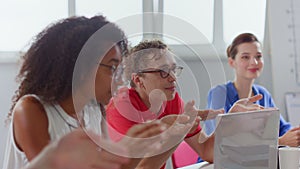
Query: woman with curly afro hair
<point x="65" y="79"/>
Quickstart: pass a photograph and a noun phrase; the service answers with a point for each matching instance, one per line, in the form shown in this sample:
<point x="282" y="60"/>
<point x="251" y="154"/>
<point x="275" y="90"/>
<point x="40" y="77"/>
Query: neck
<point x="73" y="109"/>
<point x="243" y="87"/>
<point x="153" y="101"/>
<point x="144" y="97"/>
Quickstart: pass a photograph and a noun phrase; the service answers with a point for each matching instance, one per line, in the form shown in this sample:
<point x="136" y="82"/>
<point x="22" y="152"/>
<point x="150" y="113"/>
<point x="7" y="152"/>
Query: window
<point x="126" y="14"/>
<point x="22" y="20"/>
<point x="190" y="14"/>
<point x="243" y="16"/>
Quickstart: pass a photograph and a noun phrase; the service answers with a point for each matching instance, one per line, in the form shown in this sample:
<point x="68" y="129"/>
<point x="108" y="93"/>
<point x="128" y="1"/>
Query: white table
<point x="202" y="165"/>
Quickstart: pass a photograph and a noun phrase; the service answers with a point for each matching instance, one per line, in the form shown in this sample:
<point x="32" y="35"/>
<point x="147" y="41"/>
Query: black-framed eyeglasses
<point x="113" y="68"/>
<point x="164" y="72"/>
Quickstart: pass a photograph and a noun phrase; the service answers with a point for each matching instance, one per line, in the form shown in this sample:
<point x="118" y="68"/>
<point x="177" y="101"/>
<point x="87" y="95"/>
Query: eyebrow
<point x="249" y="52"/>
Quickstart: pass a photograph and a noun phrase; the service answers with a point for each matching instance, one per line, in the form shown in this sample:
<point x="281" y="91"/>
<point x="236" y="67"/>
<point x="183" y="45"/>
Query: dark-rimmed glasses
<point x="164" y="72"/>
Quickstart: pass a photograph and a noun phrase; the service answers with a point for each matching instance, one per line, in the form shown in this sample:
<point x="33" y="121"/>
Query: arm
<point x="177" y="127"/>
<point x="284" y="126"/>
<point x="143" y="140"/>
<point x="216" y="99"/>
<point x="203" y="145"/>
<point x="77" y="150"/>
<point x="290" y="138"/>
<point x="156" y="161"/>
<point x="30" y="125"/>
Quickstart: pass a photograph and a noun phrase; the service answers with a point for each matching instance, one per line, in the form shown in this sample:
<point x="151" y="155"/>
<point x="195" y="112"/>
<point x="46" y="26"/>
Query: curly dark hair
<point x="48" y="65"/>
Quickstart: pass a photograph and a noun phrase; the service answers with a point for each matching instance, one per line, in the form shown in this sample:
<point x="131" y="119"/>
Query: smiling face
<point x="152" y="81"/>
<point x="105" y="73"/>
<point x="248" y="62"/>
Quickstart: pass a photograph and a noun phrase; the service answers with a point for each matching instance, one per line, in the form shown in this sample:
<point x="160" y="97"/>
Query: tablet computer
<point x="247" y="140"/>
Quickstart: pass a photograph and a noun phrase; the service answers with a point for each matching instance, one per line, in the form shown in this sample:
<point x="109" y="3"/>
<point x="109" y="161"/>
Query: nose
<point x="254" y="61"/>
<point x="172" y="77"/>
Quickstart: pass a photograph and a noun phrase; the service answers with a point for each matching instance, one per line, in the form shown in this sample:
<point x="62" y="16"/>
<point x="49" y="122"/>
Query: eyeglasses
<point x="165" y="72"/>
<point x="113" y="68"/>
<point x="117" y="71"/>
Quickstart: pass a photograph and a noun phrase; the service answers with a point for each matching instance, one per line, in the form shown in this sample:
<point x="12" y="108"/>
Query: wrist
<point x="193" y="133"/>
<point x="280" y="141"/>
<point x="45" y="160"/>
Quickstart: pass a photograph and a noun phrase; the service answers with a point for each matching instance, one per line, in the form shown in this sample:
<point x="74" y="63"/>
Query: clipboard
<point x="292" y="102"/>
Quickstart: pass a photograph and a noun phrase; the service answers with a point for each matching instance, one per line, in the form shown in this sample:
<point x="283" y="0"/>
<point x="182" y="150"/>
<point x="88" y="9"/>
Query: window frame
<point x="155" y="25"/>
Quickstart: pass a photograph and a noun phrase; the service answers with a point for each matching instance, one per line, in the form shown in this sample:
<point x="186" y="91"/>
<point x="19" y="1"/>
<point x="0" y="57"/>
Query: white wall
<point x="282" y="38"/>
<point x="8" y="72"/>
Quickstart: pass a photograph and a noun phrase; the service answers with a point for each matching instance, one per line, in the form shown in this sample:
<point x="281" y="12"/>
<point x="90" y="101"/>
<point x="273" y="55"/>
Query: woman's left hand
<point x="246" y="104"/>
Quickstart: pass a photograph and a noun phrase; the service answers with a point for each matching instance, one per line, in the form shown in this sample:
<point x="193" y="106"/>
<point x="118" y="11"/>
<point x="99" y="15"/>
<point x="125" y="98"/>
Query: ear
<point x="137" y="80"/>
<point x="231" y="62"/>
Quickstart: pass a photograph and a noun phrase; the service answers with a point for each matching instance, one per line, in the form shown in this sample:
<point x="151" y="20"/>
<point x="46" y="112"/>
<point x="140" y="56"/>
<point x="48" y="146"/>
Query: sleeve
<point x="284" y="126"/>
<point x="216" y="99"/>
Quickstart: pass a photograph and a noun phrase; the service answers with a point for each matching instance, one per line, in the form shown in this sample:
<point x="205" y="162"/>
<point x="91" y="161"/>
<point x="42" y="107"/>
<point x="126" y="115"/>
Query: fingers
<point x="253" y="107"/>
<point x="295" y="128"/>
<point x="153" y="131"/>
<point x="108" y="160"/>
<point x="209" y="114"/>
<point x="144" y="127"/>
<point x="255" y="98"/>
<point x="182" y="118"/>
<point x="170" y="119"/>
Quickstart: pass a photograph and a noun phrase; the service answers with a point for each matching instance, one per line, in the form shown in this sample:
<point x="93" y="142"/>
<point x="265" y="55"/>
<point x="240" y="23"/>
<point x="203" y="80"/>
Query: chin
<point x="104" y="101"/>
<point x="171" y="97"/>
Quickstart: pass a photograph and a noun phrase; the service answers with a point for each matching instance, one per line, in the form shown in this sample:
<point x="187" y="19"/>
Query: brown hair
<point x="242" y="38"/>
<point x="48" y="65"/>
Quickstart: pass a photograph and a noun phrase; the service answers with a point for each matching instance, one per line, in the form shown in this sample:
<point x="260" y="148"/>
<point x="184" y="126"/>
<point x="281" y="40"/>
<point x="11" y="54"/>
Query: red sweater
<point x="128" y="109"/>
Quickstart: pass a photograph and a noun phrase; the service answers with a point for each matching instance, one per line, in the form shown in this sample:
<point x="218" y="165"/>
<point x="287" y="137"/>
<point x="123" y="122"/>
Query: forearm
<point x="132" y="164"/>
<point x="203" y="145"/>
<point x="157" y="161"/>
<point x="45" y="160"/>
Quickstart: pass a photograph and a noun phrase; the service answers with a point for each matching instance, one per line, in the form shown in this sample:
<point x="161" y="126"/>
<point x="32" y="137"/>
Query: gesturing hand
<point x="247" y="104"/>
<point x="209" y="114"/>
<point x="77" y="150"/>
<point x="143" y="140"/>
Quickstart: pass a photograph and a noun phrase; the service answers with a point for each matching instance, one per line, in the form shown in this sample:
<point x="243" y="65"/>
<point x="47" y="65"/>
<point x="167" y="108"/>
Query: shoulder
<point x="28" y="106"/>
<point x="218" y="89"/>
<point x="29" y="114"/>
<point x="261" y="90"/>
<point x="30" y="123"/>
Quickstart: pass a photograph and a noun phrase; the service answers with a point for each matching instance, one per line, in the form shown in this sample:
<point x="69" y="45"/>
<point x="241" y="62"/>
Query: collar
<point x="232" y="93"/>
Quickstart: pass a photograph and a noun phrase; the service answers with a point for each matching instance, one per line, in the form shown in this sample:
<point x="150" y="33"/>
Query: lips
<point x="171" y="88"/>
<point x="253" y="70"/>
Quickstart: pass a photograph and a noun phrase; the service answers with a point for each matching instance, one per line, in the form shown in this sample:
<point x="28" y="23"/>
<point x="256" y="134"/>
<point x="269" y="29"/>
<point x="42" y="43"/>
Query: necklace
<point x="71" y="126"/>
